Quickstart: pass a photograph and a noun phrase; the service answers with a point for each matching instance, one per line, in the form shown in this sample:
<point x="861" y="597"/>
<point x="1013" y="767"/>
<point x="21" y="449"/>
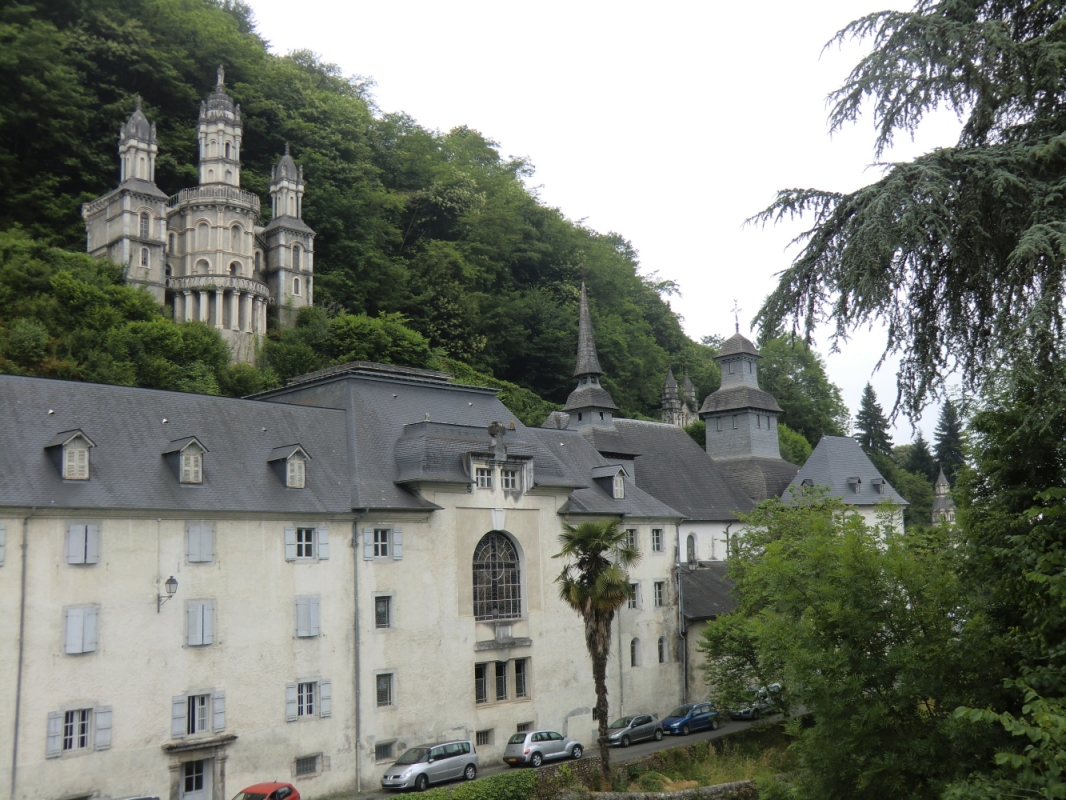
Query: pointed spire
<point x="688" y="391"/>
<point x="221" y="77"/>
<point x="588" y="363"/>
<point x="671" y="381"/>
<point x="138" y="103"/>
<point x="942" y="483"/>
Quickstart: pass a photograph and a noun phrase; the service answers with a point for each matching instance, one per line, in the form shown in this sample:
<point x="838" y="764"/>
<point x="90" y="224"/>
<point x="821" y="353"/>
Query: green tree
<point x="795" y="375"/>
<point x="595" y="583"/>
<point x="794" y="446"/>
<point x="948" y="441"/>
<point x="920" y="461"/>
<point x="872" y="424"/>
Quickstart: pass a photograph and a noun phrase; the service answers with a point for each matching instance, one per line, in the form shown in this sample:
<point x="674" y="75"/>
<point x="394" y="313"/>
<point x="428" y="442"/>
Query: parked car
<point x="268" y="791"/>
<point x="626" y="730"/>
<point x="536" y="747"/>
<point x="690" y="717"/>
<point x="420" y="766"/>
<point x="763" y="701"/>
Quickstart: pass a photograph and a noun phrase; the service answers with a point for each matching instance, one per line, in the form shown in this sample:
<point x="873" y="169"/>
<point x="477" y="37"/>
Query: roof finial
<point x="736" y="309"/>
<point x="588" y="363"/>
<point x="221" y="77"/>
<point x="138" y="103"/>
<point x="286" y="148"/>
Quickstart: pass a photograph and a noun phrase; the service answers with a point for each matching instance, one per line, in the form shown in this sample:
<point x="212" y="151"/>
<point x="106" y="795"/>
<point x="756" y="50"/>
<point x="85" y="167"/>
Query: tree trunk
<point x="598" y="641"/>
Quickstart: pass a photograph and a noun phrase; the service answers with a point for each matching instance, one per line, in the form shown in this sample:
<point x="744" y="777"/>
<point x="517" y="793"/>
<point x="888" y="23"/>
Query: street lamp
<point x="171" y="586"/>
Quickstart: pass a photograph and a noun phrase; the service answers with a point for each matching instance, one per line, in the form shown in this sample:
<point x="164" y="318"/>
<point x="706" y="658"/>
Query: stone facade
<point x="203" y="251"/>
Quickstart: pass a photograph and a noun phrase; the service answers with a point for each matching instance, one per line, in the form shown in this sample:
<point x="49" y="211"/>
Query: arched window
<point x="258" y="262"/>
<point x="662" y="649"/>
<point x="497" y="590"/>
<point x="296" y="286"/>
<point x="236" y="239"/>
<point x="203" y="236"/>
<point x="144" y="256"/>
<point x="234" y="268"/>
<point x="690" y="549"/>
<point x="292" y="206"/>
<point x="229" y="176"/>
<point x="171" y="242"/>
<point x="227" y="149"/>
<point x="634" y="653"/>
<point x="214" y="147"/>
<point x="201" y="267"/>
<point x="146" y="225"/>
<point x="144" y="168"/>
<point x="296" y="256"/>
<point x="210" y="176"/>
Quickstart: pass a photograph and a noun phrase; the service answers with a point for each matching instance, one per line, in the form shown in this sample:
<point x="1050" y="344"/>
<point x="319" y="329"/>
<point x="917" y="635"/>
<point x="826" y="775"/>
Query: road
<point x="618" y="755"/>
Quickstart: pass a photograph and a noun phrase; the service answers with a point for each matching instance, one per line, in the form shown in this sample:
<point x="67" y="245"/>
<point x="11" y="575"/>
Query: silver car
<point x="536" y="747"/>
<point x="626" y="730"/>
<point x="420" y="766"/>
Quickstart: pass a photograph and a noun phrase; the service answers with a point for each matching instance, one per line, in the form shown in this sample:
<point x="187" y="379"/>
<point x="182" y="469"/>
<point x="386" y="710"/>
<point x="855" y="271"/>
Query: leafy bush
<point x="512" y="785"/>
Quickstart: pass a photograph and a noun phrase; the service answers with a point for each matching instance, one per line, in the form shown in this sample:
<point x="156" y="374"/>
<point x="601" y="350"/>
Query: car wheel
<point x="755" y="715"/>
<point x="470" y="772"/>
<point x="536" y="760"/>
<point x="421" y="782"/>
<point x="658" y="734"/>
<point x="714" y="724"/>
<point x="685" y="730"/>
<point x="625" y="741"/>
<point x="577" y="751"/>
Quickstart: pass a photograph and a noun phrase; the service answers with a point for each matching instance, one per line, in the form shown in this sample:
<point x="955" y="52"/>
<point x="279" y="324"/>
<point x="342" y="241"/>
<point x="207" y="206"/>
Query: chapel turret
<point x="589" y="403"/>
<point x="219" y="131"/>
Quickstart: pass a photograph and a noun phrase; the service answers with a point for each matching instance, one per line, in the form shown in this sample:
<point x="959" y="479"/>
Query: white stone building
<point x="203" y="251"/>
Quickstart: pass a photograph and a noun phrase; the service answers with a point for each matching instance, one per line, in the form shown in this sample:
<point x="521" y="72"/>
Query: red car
<point x="268" y="791"/>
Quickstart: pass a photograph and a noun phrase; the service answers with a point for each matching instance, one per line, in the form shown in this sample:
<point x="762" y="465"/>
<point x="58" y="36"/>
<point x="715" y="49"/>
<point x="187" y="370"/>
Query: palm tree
<point x="595" y="582"/>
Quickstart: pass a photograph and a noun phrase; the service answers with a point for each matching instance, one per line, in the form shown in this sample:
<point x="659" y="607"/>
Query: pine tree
<point x="872" y="424"/>
<point x="948" y="447"/>
<point x="920" y="460"/>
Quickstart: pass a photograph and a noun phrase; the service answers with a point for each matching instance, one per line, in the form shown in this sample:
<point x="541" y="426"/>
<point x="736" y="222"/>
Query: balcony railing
<point x="211" y="283"/>
<point x="199" y="194"/>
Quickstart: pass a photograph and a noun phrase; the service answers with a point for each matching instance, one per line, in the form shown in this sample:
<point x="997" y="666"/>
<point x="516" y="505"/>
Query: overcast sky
<point x="668" y="122"/>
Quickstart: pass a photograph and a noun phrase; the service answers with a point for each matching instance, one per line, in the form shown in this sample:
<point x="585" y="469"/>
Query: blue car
<point x="690" y="717"/>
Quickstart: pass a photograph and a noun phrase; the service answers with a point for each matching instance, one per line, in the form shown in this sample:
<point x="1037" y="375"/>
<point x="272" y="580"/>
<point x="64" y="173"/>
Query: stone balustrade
<point x="227" y="283"/>
<point x="213" y="192"/>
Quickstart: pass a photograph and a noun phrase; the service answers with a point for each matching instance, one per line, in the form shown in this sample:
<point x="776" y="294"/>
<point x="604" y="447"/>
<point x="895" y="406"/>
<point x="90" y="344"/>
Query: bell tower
<point x="289" y="242"/>
<point x="219" y="130"/>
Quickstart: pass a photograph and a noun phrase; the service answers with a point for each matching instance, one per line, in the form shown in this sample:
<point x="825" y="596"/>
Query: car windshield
<point x="518" y="738"/>
<point x="621" y="722"/>
<point x="249" y="796"/>
<point x="680" y="711"/>
<point x="411" y="756"/>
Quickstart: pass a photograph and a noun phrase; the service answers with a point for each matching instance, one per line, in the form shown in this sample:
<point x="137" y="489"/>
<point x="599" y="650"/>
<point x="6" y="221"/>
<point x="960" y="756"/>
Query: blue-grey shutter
<point x="75" y="544"/>
<point x="89" y="635"/>
<point x="178" y="706"/>
<point x="303" y="616"/>
<point x="290" y="702"/>
<point x="3" y="544"/>
<point x="92" y="544"/>
<point x="192" y="543"/>
<point x="314" y="618"/>
<point x="290" y="544"/>
<point x="397" y="543"/>
<point x="323" y="544"/>
<point x="54" y="746"/>
<point x="368" y="543"/>
<point x="218" y="700"/>
<point x="209" y="622"/>
<point x="75" y="628"/>
<point x="196" y="624"/>
<point x="102" y="735"/>
<point x="207" y="542"/>
<point x="325" y="698"/>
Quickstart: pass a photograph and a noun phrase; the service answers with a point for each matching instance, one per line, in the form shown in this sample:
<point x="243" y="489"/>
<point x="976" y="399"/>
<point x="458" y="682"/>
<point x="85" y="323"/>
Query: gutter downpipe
<point x="681" y="626"/>
<point x="22" y="639"/>
<point x="355" y="593"/>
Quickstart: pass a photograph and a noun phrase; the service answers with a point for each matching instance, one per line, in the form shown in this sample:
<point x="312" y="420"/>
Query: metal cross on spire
<point x="736" y="309"/>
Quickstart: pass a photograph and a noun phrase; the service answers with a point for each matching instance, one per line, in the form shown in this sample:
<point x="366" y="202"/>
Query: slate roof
<point x="833" y="462"/>
<point x="736" y="345"/>
<point x="588" y="363"/>
<point x="759" y="478"/>
<point x="676" y="470"/>
<point x="608" y="441"/>
<point x="589" y="396"/>
<point x="706" y="591"/>
<point x="581" y="459"/>
<point x="737" y="397"/>
<point x="127" y="466"/>
<point x="288" y="223"/>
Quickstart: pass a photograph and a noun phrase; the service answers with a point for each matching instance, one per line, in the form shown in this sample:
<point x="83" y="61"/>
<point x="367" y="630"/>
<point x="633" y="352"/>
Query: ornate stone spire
<point x="672" y="413"/>
<point x="588" y="363"/>
<point x="221" y="78"/>
<point x="943" y="505"/>
<point x="688" y="391"/>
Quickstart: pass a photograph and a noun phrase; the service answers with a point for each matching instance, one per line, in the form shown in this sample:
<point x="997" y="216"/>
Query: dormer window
<point x="192" y="467"/>
<point x="619" y="486"/>
<point x="70" y="453"/>
<point x="856" y="484"/>
<point x="509" y="479"/>
<point x="295" y="473"/>
<point x="290" y="465"/>
<point x="879" y="485"/>
<point x="186" y="458"/>
<point x="484" y="477"/>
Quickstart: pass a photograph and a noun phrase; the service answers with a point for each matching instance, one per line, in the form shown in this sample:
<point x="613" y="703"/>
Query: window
<point x="381" y="542"/>
<point x="146" y="225"/>
<point x="521" y="677"/>
<point x="758" y="421"/>
<point x="144" y="256"/>
<point x="197" y="713"/>
<point x="662" y="650"/>
<point x="734" y="422"/>
<point x="79" y="630"/>
<point x="383" y="751"/>
<point x="227" y="149"/>
<point x="296" y="286"/>
<point x="306" y="699"/>
<point x="296" y="258"/>
<point x="258" y="259"/>
<point x="382" y="612"/>
<point x="732" y="364"/>
<point x="634" y="596"/>
<point x="656" y="540"/>
<point x="203" y="236"/>
<point x="481" y="692"/>
<point x="634" y="653"/>
<point x="509" y="478"/>
<point x="497" y="589"/>
<point x="83" y="543"/>
<point x="306" y="544"/>
<point x="76" y="461"/>
<point x="660" y="592"/>
<point x="201" y="623"/>
<point x="501" y="680"/>
<point x="308" y="765"/>
<point x="523" y="727"/>
<point x="200" y="542"/>
<point x="483" y="738"/>
<point x="384" y="689"/>
<point x="76" y="729"/>
<point x="192" y="775"/>
<point x="484" y="477"/>
<point x="718" y="423"/>
<point x="192" y="466"/>
<point x="619" y="486"/>
<point x="690" y="549"/>
<point x="308" y="615"/>
<point x="631" y="537"/>
<point x="170" y="245"/>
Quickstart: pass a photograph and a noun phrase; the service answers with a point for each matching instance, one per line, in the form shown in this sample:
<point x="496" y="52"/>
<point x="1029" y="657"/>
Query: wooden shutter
<point x="303" y="616"/>
<point x="313" y="608"/>
<point x="218" y="708"/>
<point x="207" y="542"/>
<point x="178" y="705"/>
<point x="92" y="544"/>
<point x="368" y="543"/>
<point x="290" y="544"/>
<point x="81" y="463"/>
<point x="323" y="543"/>
<point x="74" y="630"/>
<point x="290" y="702"/>
<point x="325" y="698"/>
<point x="192" y="542"/>
<point x="69" y="463"/>
<point x="75" y="544"/>
<point x="397" y="543"/>
<point x="3" y="544"/>
<point x="209" y="622"/>
<point x="102" y="735"/>
<point x="89" y="636"/>
<point x="54" y="746"/>
<point x="196" y="624"/>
